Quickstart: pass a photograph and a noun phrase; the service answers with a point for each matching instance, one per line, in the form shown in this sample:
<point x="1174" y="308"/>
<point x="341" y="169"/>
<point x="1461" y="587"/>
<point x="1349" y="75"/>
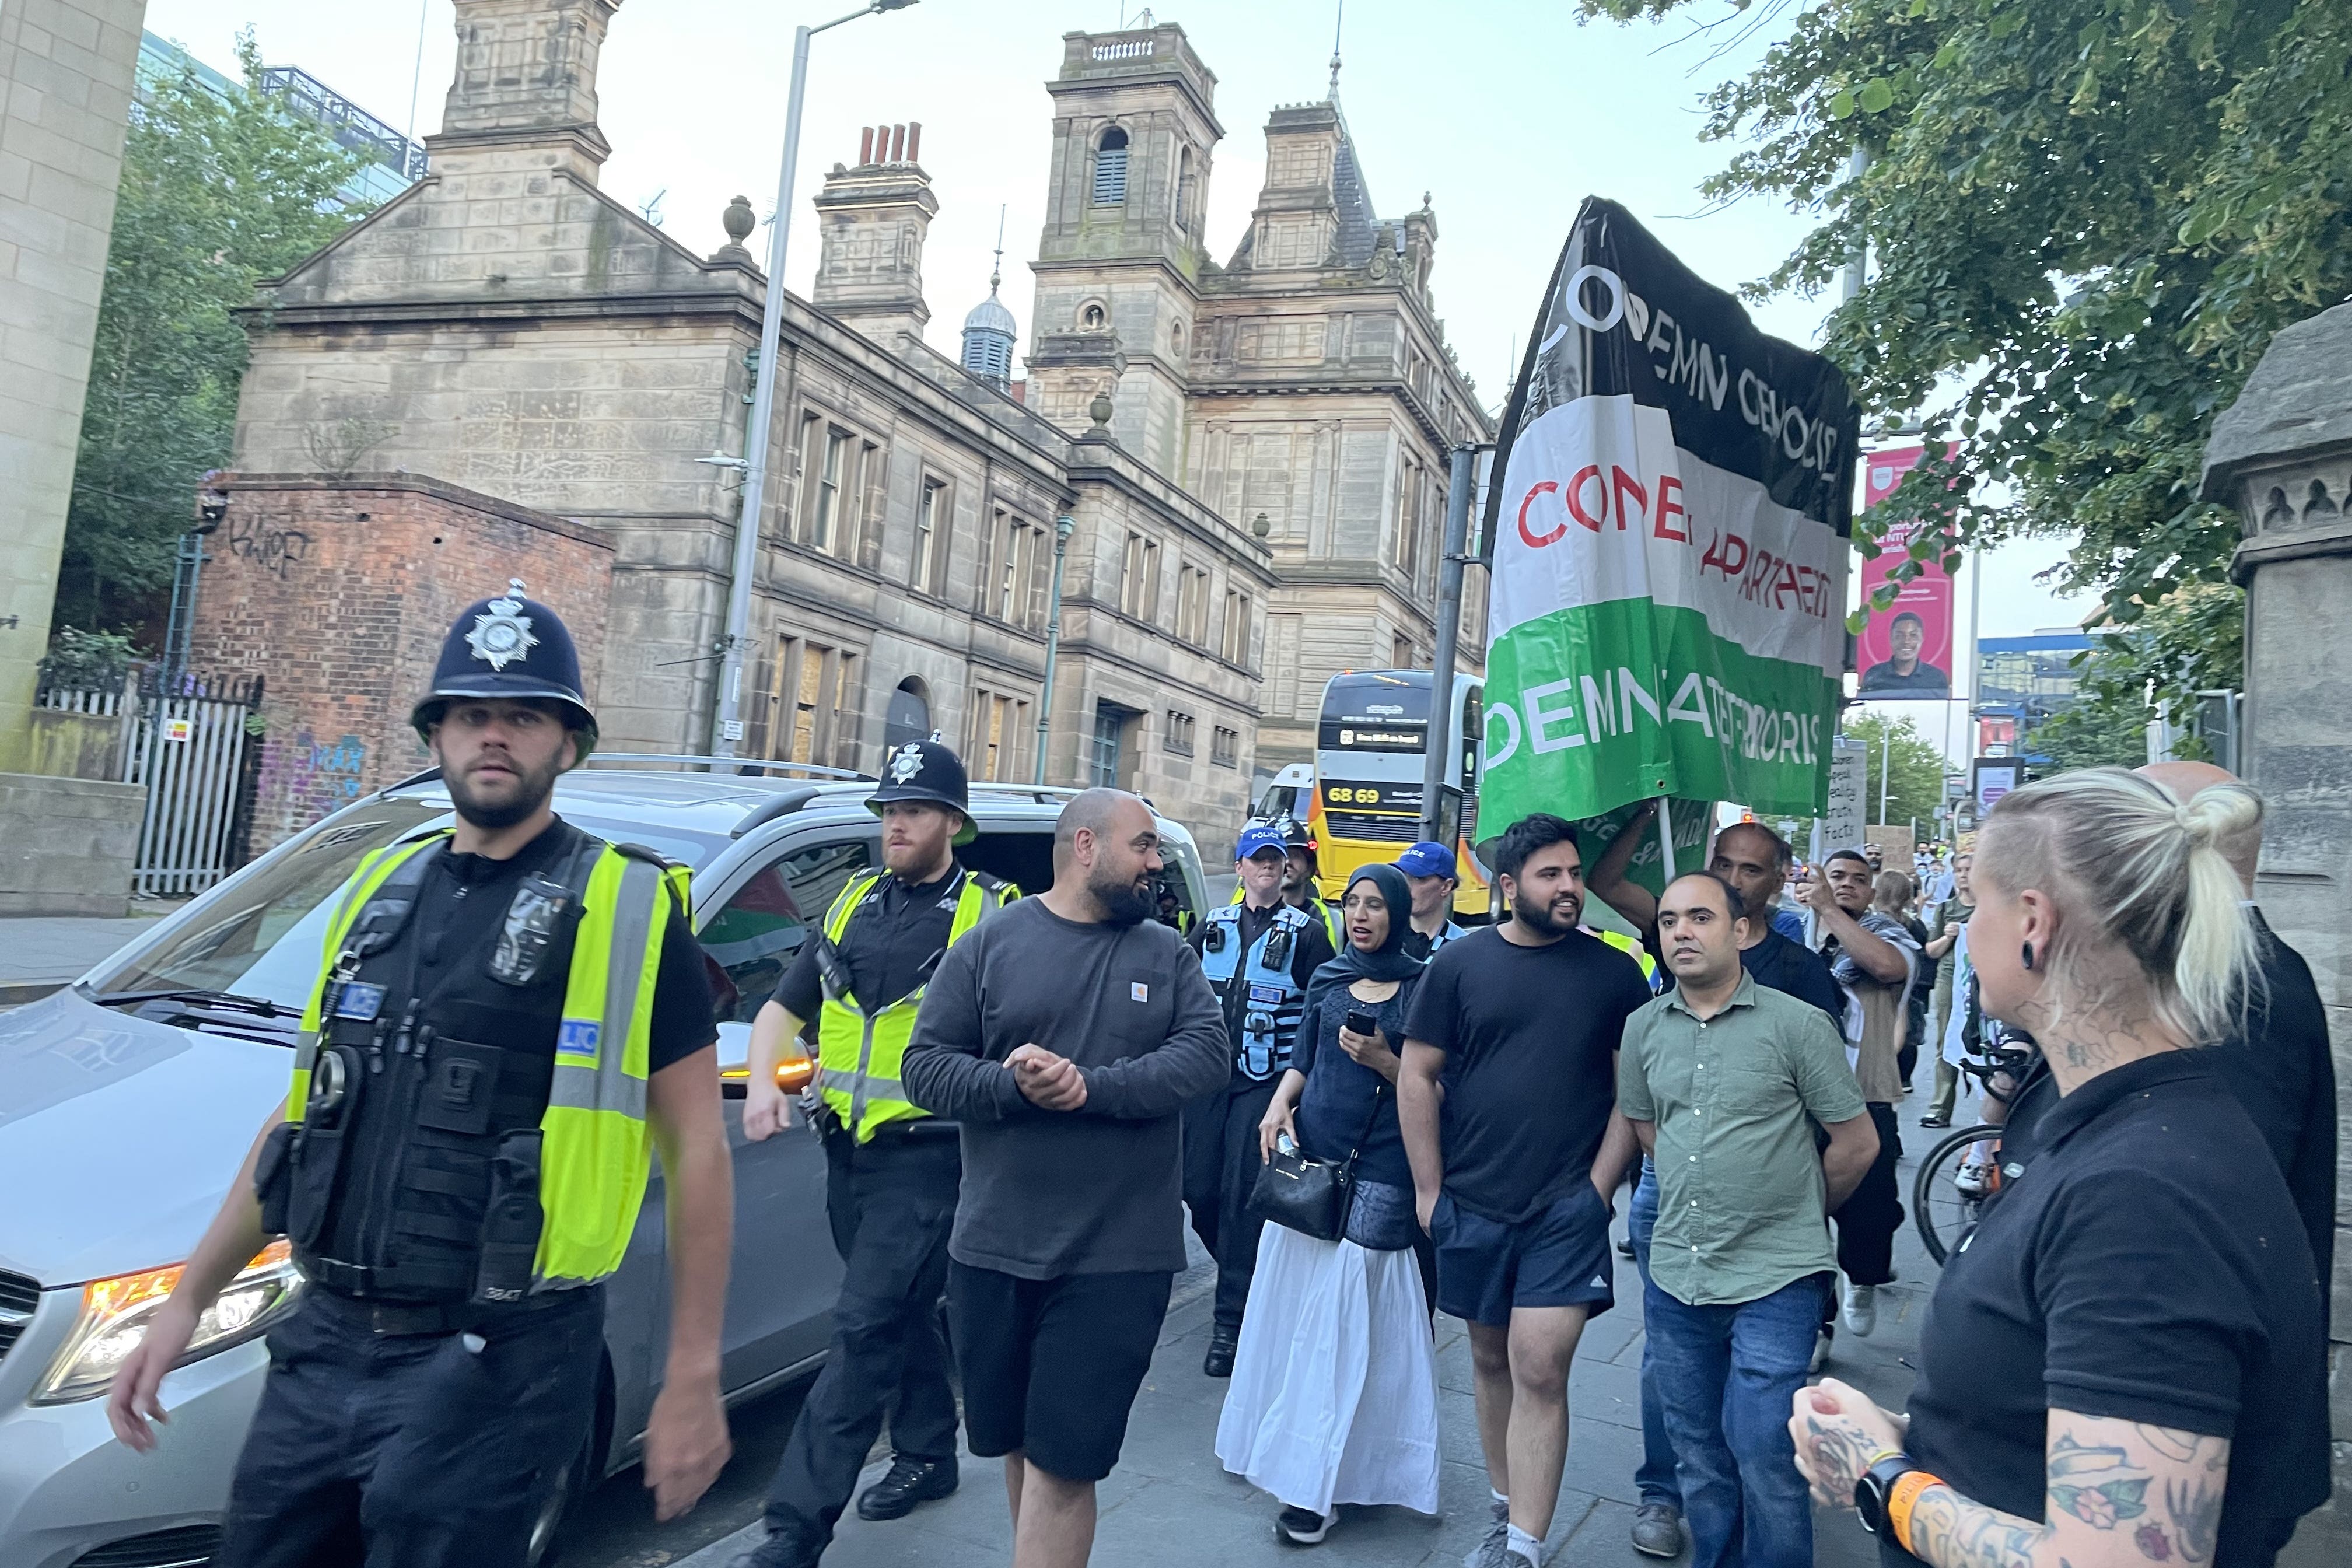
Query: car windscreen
<point x="260" y="934"/>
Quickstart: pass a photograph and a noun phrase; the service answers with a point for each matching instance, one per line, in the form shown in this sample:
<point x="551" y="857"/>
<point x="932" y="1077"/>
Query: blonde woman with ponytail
<point x="2122" y="1364"/>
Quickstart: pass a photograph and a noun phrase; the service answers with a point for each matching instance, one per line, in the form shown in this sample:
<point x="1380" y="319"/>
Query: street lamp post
<point x="728" y="732"/>
<point x="1063" y="526"/>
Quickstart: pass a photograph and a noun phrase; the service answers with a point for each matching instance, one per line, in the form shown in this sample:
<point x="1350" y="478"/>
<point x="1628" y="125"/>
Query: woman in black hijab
<point x="1334" y="1393"/>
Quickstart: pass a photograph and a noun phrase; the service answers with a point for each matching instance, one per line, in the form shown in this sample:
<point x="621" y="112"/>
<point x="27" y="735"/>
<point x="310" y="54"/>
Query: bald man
<point x="1065" y="1034"/>
<point x="2277" y="1062"/>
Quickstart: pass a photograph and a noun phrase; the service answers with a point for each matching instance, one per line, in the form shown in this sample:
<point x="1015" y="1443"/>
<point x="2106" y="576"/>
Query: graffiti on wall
<point x="271" y="548"/>
<point x="302" y="779"/>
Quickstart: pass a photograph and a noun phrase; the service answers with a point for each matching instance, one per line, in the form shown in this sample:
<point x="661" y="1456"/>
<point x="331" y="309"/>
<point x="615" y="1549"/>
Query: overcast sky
<point x="1507" y="112"/>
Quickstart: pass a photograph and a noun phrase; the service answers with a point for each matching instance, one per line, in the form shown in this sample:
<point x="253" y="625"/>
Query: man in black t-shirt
<point x="1507" y="1100"/>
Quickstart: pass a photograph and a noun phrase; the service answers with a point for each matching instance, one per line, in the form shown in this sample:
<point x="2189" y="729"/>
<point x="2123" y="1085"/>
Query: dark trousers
<point x="891" y="1204"/>
<point x="1220" y="1165"/>
<point x="1873" y="1211"/>
<point x="416" y="1451"/>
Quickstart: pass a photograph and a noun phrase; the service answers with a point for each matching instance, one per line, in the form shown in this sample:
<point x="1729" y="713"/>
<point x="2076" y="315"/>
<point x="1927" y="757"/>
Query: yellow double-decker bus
<point x="1365" y="802"/>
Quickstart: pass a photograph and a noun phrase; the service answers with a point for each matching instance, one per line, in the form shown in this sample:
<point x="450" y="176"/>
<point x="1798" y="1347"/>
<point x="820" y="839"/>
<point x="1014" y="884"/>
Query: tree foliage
<point x="216" y="194"/>
<point x="2087" y="219"/>
<point x="1915" y="788"/>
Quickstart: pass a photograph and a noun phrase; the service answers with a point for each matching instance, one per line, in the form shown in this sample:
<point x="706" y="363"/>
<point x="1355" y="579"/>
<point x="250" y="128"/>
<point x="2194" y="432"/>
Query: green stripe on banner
<point x="1595" y="706"/>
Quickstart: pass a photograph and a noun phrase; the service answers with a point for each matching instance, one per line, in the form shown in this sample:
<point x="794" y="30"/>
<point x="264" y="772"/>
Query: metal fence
<point x="194" y="743"/>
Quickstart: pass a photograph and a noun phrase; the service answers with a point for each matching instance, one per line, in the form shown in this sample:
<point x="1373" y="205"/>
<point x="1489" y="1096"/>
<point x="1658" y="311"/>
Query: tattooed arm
<point x="2119" y="1494"/>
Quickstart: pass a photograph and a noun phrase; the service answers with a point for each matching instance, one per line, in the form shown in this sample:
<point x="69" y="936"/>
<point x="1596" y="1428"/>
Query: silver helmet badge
<point x="503" y="636"/>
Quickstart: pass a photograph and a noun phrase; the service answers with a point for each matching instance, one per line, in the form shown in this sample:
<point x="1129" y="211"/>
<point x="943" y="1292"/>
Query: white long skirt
<point x="1334" y="1393"/>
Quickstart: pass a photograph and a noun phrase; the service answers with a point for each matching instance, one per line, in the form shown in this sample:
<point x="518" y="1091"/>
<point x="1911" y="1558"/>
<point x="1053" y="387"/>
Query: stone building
<point x="1307" y="380"/>
<point x="506" y="327"/>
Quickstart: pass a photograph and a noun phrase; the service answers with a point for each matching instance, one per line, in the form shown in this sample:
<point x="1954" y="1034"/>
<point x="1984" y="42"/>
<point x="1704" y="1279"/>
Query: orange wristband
<point x="1900" y="1500"/>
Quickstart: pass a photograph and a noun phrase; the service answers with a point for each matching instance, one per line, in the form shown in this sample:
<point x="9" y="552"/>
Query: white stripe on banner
<point x="1599" y="504"/>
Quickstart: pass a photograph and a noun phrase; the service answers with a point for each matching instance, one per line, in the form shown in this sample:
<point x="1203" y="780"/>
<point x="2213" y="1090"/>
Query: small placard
<point x="359" y="1001"/>
<point x="578" y="1037"/>
<point x="1139" y="991"/>
<point x="177" y="730"/>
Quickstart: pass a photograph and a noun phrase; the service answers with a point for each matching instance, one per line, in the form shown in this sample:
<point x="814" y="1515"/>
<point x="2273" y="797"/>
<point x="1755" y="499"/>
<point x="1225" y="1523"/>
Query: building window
<point x="1107" y="760"/>
<point x="1233" y="645"/>
<point x="826" y="515"/>
<point x="1225" y="747"/>
<point x="1139" y="586"/>
<point x="816" y="686"/>
<point x="909" y="715"/>
<point x="1110" y="168"/>
<point x="997" y="724"/>
<point x="934" y="523"/>
<point x="1092" y="318"/>
<point x="1192" y="604"/>
<point x="1400" y="653"/>
<point x="1180" y="733"/>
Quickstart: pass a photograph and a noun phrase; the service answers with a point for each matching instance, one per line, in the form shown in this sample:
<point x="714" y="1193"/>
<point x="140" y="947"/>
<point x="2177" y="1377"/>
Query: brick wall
<point x="340" y="592"/>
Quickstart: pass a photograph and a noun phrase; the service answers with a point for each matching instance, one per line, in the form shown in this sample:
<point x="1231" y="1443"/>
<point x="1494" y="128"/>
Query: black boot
<point x="781" y="1549"/>
<point x="1223" y="1340"/>
<point x="910" y="1481"/>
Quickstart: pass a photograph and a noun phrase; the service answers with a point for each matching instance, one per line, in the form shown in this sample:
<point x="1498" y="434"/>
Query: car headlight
<point x="115" y="1314"/>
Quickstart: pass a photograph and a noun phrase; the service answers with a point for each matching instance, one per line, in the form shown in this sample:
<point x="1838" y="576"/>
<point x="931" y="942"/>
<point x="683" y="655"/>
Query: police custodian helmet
<point x="514" y="648"/>
<point x="925" y="770"/>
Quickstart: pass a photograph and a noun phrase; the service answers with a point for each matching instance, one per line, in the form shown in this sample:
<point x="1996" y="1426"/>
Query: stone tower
<point x="1118" y="264"/>
<point x="524" y="95"/>
<point x="872" y="221"/>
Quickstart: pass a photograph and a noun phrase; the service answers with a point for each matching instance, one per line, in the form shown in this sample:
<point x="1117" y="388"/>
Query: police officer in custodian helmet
<point x="891" y="1171"/>
<point x="509" y="1016"/>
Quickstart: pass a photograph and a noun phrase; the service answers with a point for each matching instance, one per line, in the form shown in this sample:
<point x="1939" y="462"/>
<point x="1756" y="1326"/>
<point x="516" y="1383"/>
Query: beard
<point x="1121" y="901"/>
<point x="533" y="788"/>
<point x="1540" y="920"/>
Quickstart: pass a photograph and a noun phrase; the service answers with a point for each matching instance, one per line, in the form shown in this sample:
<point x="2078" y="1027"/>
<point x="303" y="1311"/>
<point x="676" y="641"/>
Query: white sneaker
<point x="1862" y="1308"/>
<point x="1973" y="1178"/>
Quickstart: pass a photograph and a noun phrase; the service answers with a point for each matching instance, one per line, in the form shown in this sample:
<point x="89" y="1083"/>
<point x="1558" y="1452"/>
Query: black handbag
<point x="1308" y="1195"/>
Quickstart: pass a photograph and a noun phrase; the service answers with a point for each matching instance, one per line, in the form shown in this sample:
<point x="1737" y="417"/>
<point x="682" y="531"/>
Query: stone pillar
<point x="2283" y="456"/>
<point x="65" y="103"/>
<point x="524" y="95"/>
<point x="871" y="222"/>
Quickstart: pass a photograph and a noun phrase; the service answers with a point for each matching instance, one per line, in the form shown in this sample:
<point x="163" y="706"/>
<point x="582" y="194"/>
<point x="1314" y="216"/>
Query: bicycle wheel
<point x="1944" y="1209"/>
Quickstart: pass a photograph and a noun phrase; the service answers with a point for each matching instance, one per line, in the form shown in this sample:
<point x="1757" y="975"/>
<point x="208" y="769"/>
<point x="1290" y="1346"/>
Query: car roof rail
<point x="786" y="802"/>
<point x="1045" y="795"/>
<point x="722" y="763"/>
<point x="430" y="776"/>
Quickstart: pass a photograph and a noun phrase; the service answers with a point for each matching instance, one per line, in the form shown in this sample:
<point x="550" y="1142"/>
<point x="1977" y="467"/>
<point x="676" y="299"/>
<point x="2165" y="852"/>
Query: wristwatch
<point x="1883" y="1496"/>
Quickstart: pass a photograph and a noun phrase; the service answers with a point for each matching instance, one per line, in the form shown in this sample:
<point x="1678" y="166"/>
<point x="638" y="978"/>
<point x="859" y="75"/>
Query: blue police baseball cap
<point x="1259" y="838"/>
<point x="1426" y="859"/>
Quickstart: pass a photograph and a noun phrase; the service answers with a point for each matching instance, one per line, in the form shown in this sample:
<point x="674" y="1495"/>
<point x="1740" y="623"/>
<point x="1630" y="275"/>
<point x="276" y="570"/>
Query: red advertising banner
<point x="1905" y="650"/>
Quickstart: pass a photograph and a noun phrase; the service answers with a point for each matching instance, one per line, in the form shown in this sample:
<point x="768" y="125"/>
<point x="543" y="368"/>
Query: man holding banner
<point x="1669" y="534"/>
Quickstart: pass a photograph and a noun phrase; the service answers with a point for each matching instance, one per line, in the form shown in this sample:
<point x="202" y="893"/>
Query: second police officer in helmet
<point x="509" y="1016"/>
<point x="1258" y="953"/>
<point x="892" y="1171"/>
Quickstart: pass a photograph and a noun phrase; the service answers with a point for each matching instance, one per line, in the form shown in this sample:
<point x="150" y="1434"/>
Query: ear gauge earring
<point x="2027" y="956"/>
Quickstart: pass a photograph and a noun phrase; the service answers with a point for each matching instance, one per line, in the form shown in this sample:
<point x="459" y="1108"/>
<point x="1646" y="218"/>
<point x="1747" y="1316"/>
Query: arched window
<point x="1183" y="213"/>
<point x="909" y="714"/>
<point x="1092" y="319"/>
<point x="1110" y="168"/>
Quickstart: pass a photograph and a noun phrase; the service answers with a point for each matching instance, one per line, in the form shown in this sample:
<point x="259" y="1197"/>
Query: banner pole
<point x="1665" y="841"/>
<point x="1437" y="751"/>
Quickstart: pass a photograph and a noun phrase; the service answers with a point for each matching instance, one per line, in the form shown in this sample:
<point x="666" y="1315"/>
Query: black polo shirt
<point x="894" y="937"/>
<point x="2279" y="1065"/>
<point x="1795" y="969"/>
<point x="2146" y="1264"/>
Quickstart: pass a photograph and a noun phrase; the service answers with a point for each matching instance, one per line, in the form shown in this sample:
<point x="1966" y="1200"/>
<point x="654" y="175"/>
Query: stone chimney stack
<point x="872" y="220"/>
<point x="525" y="95"/>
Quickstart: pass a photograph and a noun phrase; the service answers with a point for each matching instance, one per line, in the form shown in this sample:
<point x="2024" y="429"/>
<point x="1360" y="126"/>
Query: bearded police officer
<point x="1258" y="953"/>
<point x="892" y="1171"/>
<point x="509" y="1015"/>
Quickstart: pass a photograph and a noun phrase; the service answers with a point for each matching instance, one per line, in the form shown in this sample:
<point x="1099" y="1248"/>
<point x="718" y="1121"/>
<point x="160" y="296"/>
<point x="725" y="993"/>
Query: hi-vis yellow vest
<point x="596" y="1151"/>
<point x="1313" y="907"/>
<point x="857" y="1053"/>
<point x="1632" y="948"/>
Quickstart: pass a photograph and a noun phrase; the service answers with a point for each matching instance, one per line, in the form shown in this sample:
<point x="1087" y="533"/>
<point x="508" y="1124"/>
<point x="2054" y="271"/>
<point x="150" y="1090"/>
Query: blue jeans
<point x="1727" y="1376"/>
<point x="1654" y="1482"/>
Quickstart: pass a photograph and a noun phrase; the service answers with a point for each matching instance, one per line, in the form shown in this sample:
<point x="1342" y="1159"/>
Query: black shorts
<point x="1558" y="1257"/>
<point x="1051" y="1366"/>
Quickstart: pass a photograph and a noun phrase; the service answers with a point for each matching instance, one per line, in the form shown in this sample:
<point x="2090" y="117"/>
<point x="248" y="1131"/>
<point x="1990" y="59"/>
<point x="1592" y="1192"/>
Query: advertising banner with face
<point x="1669" y="530"/>
<point x="1905" y="650"/>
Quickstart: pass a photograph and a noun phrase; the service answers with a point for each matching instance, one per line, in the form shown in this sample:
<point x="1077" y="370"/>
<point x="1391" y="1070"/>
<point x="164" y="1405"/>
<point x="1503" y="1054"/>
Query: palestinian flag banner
<point x="1669" y="538"/>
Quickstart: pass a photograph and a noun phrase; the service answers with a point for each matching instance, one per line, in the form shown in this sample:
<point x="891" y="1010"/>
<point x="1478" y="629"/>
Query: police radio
<point x="1277" y="947"/>
<point x="1213" y="940"/>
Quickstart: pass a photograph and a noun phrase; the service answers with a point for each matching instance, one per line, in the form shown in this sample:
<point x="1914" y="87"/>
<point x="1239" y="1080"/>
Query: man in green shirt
<point x="1724" y="1082"/>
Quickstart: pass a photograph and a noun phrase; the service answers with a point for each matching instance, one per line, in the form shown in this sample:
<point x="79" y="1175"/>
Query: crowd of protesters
<point x="1380" y="1116"/>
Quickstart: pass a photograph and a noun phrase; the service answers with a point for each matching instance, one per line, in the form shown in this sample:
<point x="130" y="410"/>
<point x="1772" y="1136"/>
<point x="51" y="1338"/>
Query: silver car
<point x="127" y="1102"/>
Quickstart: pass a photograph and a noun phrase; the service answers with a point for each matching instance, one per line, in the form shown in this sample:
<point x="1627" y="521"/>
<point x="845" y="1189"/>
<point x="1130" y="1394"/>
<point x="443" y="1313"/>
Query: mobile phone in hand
<point x="1362" y="1023"/>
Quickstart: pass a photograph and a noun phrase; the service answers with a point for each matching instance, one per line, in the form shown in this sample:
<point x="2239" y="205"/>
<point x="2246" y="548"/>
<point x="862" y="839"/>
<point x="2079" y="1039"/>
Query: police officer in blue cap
<point x="1429" y="870"/>
<point x="509" y="1016"/>
<point x="1258" y="953"/>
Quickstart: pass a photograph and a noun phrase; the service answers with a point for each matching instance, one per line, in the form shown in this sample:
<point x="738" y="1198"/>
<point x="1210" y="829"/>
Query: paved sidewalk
<point x="1170" y="1503"/>
<point x="39" y="954"/>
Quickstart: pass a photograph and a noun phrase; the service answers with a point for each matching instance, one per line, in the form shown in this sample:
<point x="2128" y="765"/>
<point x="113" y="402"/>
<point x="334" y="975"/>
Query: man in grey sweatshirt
<point x="1066" y="1035"/>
